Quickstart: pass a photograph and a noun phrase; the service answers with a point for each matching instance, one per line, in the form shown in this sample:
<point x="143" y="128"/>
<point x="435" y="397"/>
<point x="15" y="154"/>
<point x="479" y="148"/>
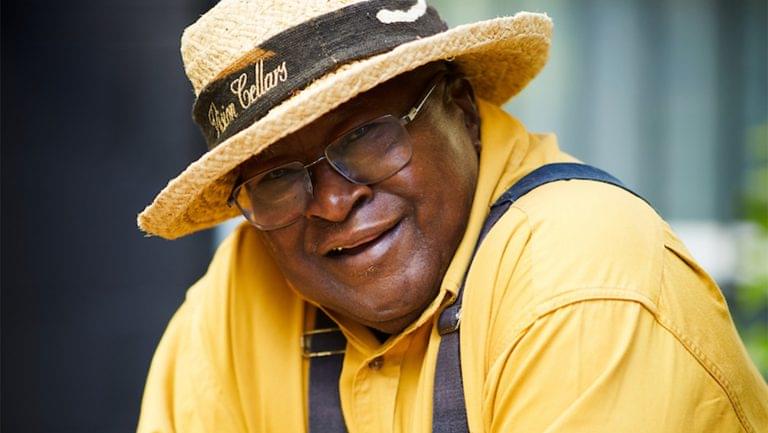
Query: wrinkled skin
<point x="410" y="224"/>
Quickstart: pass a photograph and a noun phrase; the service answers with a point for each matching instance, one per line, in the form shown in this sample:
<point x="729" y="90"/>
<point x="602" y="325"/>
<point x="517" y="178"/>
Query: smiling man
<point x="365" y="230"/>
<point x="413" y="259"/>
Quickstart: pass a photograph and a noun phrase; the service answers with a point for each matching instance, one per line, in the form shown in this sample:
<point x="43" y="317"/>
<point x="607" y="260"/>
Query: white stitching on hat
<point x="416" y="11"/>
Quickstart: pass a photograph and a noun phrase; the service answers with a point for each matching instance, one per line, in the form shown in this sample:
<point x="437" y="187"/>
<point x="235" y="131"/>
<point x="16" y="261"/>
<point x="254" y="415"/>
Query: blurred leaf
<point x="756" y="339"/>
<point x="751" y="295"/>
<point x="756" y="179"/>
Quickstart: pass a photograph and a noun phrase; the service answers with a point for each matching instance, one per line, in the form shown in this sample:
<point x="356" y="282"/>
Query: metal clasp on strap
<point x="449" y="320"/>
<point x="306" y="343"/>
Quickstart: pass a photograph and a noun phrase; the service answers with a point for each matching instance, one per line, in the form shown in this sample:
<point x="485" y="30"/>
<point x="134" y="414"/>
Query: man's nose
<point x="334" y="197"/>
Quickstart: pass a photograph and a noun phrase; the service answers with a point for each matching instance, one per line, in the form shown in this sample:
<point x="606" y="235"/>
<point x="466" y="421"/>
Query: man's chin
<point x="392" y="319"/>
<point x="395" y="325"/>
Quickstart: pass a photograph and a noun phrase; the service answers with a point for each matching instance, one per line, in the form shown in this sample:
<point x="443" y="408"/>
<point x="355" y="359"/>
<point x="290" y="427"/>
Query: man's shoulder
<point x="591" y="237"/>
<point x="582" y="253"/>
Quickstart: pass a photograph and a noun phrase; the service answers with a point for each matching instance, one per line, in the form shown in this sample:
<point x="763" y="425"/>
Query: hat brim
<point x="498" y="56"/>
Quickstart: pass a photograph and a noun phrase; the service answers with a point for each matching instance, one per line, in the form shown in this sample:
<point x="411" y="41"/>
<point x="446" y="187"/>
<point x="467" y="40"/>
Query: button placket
<point x="364" y="416"/>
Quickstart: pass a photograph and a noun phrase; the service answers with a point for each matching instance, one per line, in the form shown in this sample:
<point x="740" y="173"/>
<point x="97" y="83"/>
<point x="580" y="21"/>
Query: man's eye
<point x="277" y="174"/>
<point x="358" y="133"/>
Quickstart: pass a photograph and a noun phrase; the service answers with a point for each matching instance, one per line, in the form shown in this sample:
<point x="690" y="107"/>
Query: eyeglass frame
<point x="405" y="120"/>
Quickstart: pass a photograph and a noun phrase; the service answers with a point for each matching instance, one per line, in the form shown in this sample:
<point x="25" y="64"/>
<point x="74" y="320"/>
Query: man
<point x="364" y="143"/>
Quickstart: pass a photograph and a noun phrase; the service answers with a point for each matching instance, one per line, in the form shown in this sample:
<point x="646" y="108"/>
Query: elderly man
<point x="414" y="259"/>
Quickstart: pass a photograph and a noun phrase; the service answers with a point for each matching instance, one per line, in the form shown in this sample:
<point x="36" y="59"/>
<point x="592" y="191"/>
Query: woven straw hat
<point x="262" y="69"/>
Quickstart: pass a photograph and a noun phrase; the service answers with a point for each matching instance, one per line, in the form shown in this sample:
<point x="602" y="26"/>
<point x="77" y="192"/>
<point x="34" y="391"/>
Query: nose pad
<point x="333" y="196"/>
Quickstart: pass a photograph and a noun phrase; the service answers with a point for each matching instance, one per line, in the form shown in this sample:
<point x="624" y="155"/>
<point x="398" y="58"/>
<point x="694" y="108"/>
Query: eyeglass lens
<point x="372" y="152"/>
<point x="365" y="155"/>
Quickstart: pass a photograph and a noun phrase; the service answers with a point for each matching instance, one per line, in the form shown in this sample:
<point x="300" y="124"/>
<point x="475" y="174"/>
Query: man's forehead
<point x="401" y="88"/>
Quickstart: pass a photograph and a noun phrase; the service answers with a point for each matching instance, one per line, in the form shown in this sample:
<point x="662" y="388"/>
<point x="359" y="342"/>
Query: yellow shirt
<point x="582" y="313"/>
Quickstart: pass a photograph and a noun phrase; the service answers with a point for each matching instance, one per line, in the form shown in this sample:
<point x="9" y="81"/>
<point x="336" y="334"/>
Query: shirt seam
<point x="607" y="293"/>
<point x="708" y="366"/>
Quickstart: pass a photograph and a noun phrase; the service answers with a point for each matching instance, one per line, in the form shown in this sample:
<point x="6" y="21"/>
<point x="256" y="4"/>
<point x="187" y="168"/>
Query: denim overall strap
<point x="324" y="346"/>
<point x="449" y="413"/>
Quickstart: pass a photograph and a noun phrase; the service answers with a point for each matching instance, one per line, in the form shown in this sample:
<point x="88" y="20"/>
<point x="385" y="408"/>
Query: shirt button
<point x="376" y="363"/>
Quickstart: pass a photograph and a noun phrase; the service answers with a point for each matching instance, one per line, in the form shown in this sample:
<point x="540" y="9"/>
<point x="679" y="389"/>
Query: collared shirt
<point x="582" y="313"/>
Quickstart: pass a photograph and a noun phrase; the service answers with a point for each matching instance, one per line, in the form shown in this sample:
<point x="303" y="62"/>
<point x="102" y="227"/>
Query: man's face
<point x="399" y="235"/>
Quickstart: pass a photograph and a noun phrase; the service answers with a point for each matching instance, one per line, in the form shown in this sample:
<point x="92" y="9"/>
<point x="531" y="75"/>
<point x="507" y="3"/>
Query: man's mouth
<point x="360" y="243"/>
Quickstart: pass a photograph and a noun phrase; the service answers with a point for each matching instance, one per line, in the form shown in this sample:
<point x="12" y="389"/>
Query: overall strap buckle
<point x="322" y="342"/>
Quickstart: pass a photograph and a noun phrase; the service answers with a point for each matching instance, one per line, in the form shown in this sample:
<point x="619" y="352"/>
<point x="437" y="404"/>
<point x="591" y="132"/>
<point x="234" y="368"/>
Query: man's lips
<point x="356" y="240"/>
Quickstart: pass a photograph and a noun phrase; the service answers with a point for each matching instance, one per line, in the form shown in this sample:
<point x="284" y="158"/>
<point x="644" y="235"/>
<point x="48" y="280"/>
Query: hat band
<point x="292" y="59"/>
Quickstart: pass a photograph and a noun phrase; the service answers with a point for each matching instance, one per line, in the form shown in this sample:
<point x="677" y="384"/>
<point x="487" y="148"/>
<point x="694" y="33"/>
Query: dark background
<point x="95" y="120"/>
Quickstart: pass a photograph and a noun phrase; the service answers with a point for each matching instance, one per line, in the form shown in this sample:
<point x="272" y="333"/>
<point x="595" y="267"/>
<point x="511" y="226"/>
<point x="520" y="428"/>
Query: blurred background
<point x="669" y="96"/>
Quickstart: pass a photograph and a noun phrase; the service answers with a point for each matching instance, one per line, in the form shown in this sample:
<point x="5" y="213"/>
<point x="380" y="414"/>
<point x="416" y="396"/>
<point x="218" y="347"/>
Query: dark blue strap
<point x="325" y="352"/>
<point x="544" y="175"/>
<point x="449" y="413"/>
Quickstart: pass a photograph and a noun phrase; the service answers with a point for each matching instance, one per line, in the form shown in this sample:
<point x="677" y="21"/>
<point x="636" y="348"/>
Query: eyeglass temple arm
<point x="408" y="118"/>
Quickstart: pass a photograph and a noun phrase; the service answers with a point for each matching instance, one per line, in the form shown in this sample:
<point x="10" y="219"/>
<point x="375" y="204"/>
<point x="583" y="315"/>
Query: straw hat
<point x="262" y="69"/>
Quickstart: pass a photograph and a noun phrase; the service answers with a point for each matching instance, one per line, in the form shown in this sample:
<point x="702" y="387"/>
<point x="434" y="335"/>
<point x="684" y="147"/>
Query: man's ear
<point x="461" y="93"/>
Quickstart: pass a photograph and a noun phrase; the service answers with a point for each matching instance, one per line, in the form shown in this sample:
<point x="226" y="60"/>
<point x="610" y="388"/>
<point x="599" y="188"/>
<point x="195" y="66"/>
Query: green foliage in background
<point x="752" y="292"/>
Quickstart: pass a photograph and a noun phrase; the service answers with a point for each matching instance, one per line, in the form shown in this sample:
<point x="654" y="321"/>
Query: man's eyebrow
<point x="266" y="153"/>
<point x="343" y="111"/>
<point x="339" y="120"/>
<point x="338" y="116"/>
<point x="262" y="157"/>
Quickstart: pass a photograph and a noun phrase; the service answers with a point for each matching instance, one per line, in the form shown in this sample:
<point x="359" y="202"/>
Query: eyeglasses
<point x="367" y="154"/>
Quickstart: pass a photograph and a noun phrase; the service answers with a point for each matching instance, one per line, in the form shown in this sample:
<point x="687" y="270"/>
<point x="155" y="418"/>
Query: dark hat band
<point x="292" y="59"/>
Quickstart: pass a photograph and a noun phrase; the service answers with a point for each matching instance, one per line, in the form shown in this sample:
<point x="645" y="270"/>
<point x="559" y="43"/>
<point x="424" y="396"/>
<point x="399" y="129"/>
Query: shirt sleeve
<point x="605" y="365"/>
<point x="158" y="406"/>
